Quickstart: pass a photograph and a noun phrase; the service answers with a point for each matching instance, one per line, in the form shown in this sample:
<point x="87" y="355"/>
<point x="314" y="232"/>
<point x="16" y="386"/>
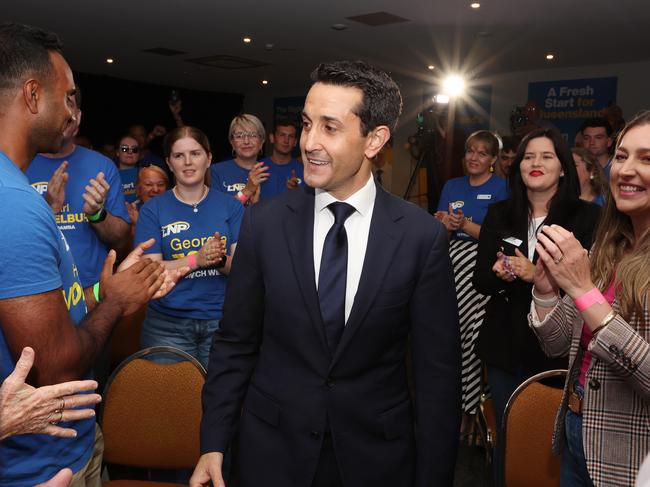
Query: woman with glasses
<point x="196" y="227"/>
<point x="242" y="176"/>
<point x="128" y="154"/>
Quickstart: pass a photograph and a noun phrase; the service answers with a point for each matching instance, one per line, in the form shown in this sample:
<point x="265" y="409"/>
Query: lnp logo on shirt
<point x="234" y="187"/>
<point x="457" y="205"/>
<point x="174" y="228"/>
<point x="40" y="187"/>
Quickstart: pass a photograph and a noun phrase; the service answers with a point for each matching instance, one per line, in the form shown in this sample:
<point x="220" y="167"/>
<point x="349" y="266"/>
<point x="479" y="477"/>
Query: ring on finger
<point x="559" y="259"/>
<point x="62" y="405"/>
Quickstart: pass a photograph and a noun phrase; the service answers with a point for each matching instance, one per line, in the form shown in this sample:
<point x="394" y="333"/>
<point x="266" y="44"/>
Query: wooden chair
<point x="151" y="413"/>
<point x="527" y="433"/>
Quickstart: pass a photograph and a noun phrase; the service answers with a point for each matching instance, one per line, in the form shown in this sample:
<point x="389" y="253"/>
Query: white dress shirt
<point x="357" y="227"/>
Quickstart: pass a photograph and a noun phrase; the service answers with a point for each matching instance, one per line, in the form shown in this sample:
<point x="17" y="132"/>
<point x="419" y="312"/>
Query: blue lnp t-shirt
<point x="179" y="231"/>
<point x="83" y="165"/>
<point x="473" y="200"/>
<point x="280" y="174"/>
<point x="36" y="259"/>
<point x="228" y="177"/>
<point x="129" y="178"/>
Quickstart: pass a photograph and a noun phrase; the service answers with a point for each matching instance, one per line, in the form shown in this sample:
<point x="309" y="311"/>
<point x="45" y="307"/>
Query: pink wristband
<point x="588" y="299"/>
<point x="192" y="262"/>
<point x="242" y="197"/>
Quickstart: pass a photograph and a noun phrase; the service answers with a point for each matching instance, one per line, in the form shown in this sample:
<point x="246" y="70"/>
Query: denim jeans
<point x="573" y="472"/>
<point x="190" y="335"/>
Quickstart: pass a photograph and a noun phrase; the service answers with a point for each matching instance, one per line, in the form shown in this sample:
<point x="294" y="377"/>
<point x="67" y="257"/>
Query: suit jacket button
<point x="594" y="384"/>
<point x="613" y="348"/>
<point x="315" y="435"/>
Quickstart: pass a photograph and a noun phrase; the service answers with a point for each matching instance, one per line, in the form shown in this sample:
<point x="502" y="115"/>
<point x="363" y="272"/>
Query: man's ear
<point x="377" y="138"/>
<point x="32" y="95"/>
<point x="271" y="139"/>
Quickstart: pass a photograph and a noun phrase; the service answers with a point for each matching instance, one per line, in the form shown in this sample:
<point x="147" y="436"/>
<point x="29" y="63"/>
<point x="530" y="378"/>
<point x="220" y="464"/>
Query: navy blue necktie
<point x="333" y="274"/>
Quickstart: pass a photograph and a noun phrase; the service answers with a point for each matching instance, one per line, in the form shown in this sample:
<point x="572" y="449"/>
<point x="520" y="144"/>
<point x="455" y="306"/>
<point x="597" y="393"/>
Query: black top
<point x="505" y="339"/>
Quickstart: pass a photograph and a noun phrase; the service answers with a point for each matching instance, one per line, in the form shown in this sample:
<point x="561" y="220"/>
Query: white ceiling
<point x="501" y="36"/>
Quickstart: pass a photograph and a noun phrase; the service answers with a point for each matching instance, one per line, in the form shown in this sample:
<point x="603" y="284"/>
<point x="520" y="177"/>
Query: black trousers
<point x="327" y="471"/>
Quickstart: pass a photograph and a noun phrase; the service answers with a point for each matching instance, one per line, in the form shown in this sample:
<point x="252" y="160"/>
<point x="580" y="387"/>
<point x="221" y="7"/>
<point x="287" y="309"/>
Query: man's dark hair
<point x="597" y="122"/>
<point x="382" y="101"/>
<point x="510" y="143"/>
<point x="24" y="51"/>
<point x="285" y="122"/>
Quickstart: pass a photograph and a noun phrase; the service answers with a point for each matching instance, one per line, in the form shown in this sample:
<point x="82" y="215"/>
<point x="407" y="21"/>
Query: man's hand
<point x="27" y="410"/>
<point x="55" y="195"/>
<point x="171" y="276"/>
<point x="95" y="194"/>
<point x="212" y="251"/>
<point x="293" y="181"/>
<point x="208" y="469"/>
<point x="133" y="287"/>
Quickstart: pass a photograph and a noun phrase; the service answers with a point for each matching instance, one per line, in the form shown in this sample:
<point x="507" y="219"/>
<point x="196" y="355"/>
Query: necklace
<point x="194" y="206"/>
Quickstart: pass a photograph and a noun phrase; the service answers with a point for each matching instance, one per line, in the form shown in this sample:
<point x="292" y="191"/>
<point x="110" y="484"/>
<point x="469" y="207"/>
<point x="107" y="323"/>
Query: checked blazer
<point x="616" y="421"/>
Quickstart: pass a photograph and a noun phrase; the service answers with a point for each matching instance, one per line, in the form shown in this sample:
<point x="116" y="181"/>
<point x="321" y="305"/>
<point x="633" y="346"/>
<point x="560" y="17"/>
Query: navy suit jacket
<point x="272" y="378"/>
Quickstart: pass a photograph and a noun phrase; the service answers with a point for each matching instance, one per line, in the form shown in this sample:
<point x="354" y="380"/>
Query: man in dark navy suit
<point x="330" y="286"/>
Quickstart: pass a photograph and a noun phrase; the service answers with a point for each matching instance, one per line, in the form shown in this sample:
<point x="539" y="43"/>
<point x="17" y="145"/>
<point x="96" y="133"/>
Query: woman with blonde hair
<point x="593" y="185"/>
<point x="242" y="175"/>
<point x="462" y="207"/>
<point x="595" y="310"/>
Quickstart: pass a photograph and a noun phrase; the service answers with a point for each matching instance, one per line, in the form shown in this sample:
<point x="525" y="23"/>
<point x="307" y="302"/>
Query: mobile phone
<point x="509" y="244"/>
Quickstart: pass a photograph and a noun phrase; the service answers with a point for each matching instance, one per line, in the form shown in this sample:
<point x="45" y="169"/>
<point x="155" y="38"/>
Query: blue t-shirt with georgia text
<point x="473" y="200"/>
<point x="279" y="175"/>
<point x="36" y="259"/>
<point x="83" y="165"/>
<point x="179" y="231"/>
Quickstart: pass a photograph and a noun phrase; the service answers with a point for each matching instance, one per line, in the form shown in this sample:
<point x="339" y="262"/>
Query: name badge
<point x="514" y="241"/>
<point x="483" y="196"/>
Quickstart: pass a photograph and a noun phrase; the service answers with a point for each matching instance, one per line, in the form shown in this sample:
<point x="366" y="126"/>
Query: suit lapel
<point x="299" y="231"/>
<point x="383" y="240"/>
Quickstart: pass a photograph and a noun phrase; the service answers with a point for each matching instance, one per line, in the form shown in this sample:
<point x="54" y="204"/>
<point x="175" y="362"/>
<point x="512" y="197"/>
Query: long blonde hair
<point x="617" y="255"/>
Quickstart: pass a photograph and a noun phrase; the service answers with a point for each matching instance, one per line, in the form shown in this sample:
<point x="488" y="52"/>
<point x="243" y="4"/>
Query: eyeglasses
<point x="130" y="150"/>
<point x="245" y="135"/>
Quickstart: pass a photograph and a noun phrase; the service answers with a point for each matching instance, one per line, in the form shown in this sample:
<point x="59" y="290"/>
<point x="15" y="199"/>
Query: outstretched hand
<point x="28" y="410"/>
<point x="55" y="195"/>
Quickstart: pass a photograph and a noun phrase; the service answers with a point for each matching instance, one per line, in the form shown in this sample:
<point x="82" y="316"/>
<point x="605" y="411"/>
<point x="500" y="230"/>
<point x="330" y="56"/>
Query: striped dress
<point x="471" y="310"/>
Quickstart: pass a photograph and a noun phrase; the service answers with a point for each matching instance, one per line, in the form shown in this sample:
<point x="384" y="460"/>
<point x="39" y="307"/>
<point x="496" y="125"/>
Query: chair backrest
<point x="151" y="411"/>
<point x="527" y="433"/>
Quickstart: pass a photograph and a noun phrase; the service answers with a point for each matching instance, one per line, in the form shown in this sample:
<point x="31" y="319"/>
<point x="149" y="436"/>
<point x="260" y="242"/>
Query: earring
<point x="492" y="168"/>
<point x="591" y="176"/>
<point x="234" y="154"/>
<point x="562" y="174"/>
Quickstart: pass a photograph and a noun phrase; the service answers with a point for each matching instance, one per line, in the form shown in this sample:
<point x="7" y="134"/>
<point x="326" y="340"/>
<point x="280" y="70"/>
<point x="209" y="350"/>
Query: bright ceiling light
<point x="453" y="85"/>
<point x="110" y="60"/>
<point x="247" y="40"/>
<point x="550" y="56"/>
<point x="431" y="67"/>
<point x="265" y="82"/>
<point x="475" y="5"/>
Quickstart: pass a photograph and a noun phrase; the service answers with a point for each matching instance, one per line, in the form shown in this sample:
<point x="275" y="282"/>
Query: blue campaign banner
<point x="567" y="103"/>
